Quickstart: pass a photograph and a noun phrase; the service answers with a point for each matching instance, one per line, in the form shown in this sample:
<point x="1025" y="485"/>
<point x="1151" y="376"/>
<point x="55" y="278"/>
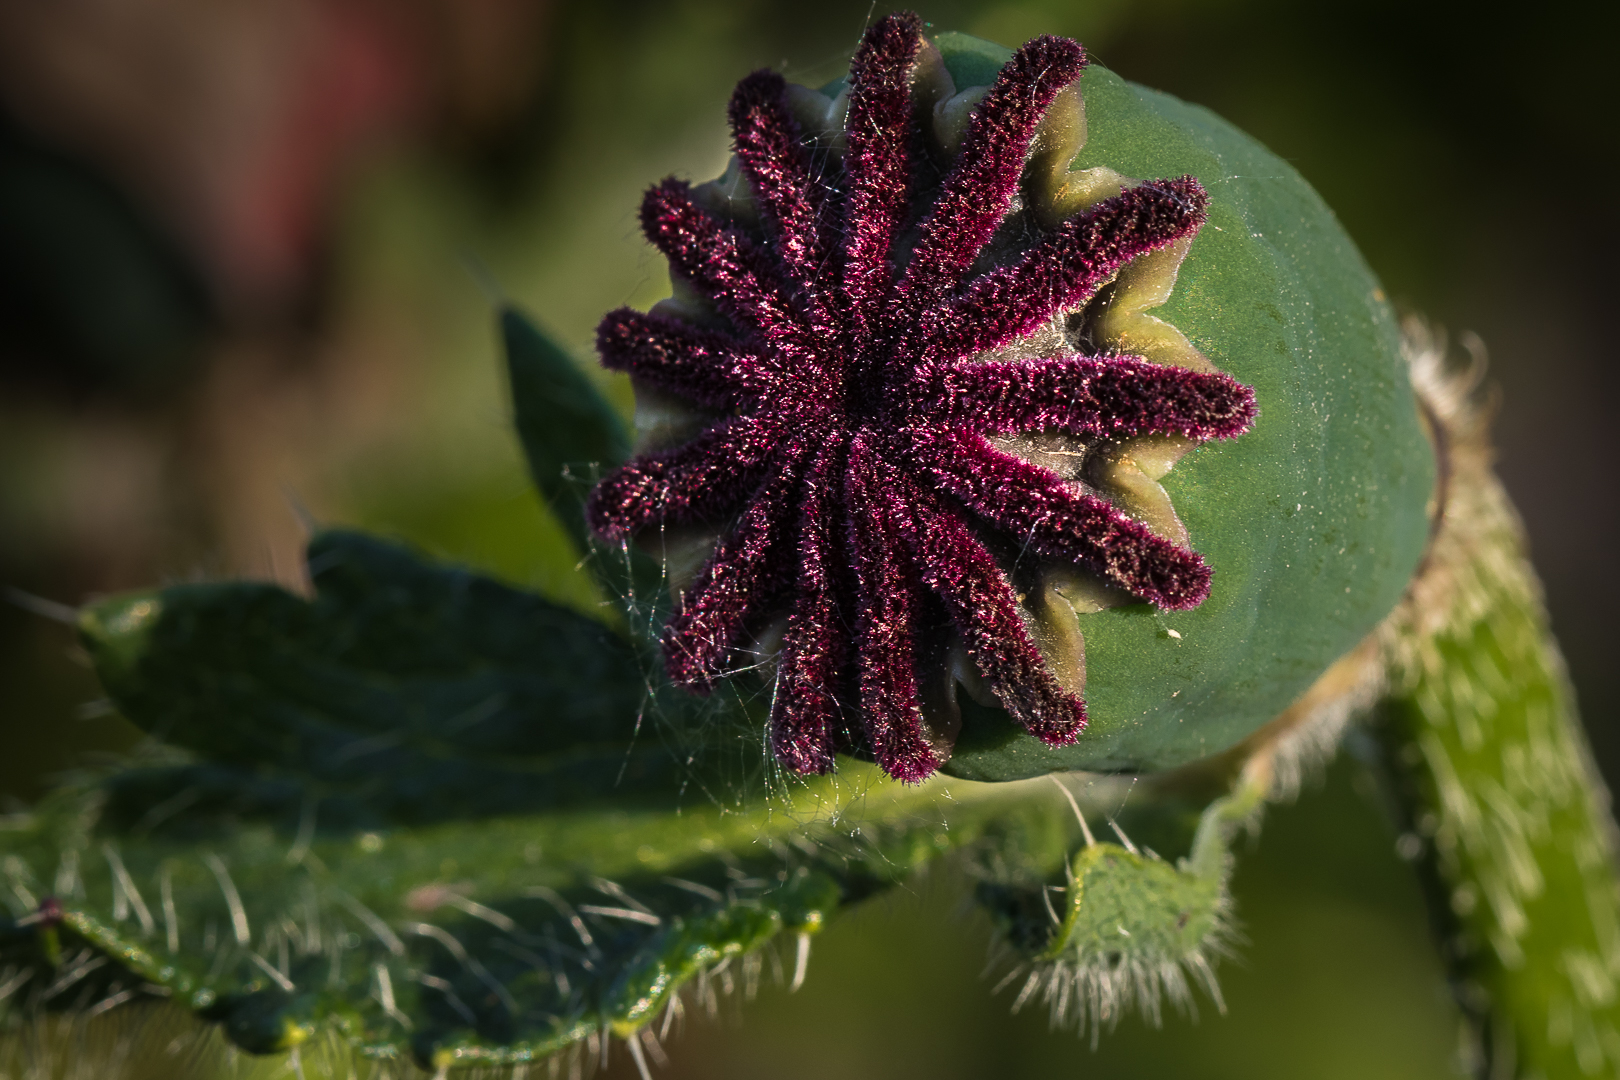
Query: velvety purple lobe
<point x="704" y="367"/>
<point x="957" y="566"/>
<point x="1054" y="519"/>
<point x="1064" y="269"/>
<point x="877" y="162"/>
<point x="891" y="706"/>
<point x="809" y="706"/>
<point x="1113" y="396"/>
<point x="978" y="192"/>
<point x="751" y="569"/>
<point x="771" y="149"/>
<point x="735" y="273"/>
<point x="705" y="480"/>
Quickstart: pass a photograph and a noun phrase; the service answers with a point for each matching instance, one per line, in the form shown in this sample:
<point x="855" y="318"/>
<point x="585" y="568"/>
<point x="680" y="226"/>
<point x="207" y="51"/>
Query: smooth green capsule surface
<point x="1313" y="521"/>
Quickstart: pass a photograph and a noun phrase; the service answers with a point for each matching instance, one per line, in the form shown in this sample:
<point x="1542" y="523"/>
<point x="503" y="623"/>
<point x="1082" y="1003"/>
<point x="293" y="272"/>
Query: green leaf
<point x="470" y="697"/>
<point x="566" y="426"/>
<point x="500" y="941"/>
<point x="492" y="940"/>
<point x="426" y="816"/>
<point x="571" y="435"/>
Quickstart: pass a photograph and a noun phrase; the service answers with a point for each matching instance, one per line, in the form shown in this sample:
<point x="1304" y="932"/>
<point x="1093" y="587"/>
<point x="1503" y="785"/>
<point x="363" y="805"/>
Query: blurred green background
<point x="241" y="249"/>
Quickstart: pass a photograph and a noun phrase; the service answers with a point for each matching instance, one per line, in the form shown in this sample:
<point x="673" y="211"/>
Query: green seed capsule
<point x="886" y="622"/>
<point x="1313" y="521"/>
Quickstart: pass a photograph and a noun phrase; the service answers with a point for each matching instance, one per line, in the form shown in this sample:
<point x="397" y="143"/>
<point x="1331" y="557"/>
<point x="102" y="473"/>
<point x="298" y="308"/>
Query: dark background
<point x="235" y="289"/>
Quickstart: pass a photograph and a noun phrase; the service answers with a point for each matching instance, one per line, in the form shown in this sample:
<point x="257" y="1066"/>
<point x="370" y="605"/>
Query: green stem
<point x="1507" y="818"/>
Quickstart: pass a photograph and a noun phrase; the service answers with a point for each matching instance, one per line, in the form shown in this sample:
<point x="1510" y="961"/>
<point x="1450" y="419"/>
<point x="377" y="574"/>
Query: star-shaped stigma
<point x="853" y="395"/>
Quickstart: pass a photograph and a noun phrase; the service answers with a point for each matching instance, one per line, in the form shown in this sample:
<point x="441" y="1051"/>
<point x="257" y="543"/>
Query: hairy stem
<point x="1505" y="814"/>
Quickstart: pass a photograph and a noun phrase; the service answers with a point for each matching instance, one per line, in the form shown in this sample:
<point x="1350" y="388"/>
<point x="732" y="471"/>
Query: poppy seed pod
<point x="1019" y="418"/>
